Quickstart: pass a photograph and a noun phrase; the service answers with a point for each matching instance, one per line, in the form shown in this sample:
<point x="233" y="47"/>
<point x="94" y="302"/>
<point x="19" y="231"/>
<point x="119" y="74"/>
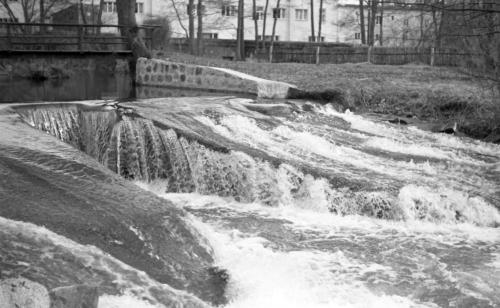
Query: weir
<point x="298" y="204"/>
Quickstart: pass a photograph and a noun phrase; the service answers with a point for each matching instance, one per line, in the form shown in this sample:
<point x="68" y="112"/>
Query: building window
<point x="357" y="36"/>
<point x="139" y="7"/>
<point x="109" y="7"/>
<point x="228" y="10"/>
<point x="316" y="39"/>
<point x="301" y="14"/>
<point x="406" y="22"/>
<point x="392" y="17"/>
<point x="259" y="13"/>
<point x="323" y="15"/>
<point x="278" y="13"/>
<point x="210" y="36"/>
<point x="377" y="37"/>
<point x="378" y="20"/>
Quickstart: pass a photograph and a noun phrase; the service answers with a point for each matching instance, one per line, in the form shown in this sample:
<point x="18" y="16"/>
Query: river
<point x="292" y="204"/>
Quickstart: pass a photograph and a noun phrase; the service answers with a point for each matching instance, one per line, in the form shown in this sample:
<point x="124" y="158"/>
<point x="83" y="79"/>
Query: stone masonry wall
<point x="160" y="73"/>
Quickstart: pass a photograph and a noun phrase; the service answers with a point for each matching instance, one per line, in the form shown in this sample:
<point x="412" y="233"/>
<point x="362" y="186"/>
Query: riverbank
<point x="442" y="96"/>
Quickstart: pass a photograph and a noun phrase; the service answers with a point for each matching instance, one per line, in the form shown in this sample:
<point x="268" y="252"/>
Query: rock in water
<point x="77" y="296"/>
<point x="21" y="292"/>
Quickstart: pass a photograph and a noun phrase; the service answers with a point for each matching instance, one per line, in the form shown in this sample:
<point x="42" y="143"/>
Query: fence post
<point x="80" y="38"/>
<point x="369" y="56"/>
<point x="317" y="54"/>
<point x="433" y="56"/>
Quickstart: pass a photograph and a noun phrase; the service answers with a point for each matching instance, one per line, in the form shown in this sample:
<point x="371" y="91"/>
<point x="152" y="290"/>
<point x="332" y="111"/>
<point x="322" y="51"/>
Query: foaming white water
<point x="124" y="301"/>
<point x="411" y="134"/>
<point x="263" y="277"/>
<point x="446" y="206"/>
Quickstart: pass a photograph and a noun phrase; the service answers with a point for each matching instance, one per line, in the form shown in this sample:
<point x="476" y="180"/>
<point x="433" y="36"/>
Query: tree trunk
<point x="240" y="43"/>
<point x="263" y="38"/>
<point x="372" y="14"/>
<point x="362" y="21"/>
<point x="42" y="17"/>
<point x="319" y="29"/>
<point x="273" y="34"/>
<point x="199" y="12"/>
<point x="192" y="42"/>
<point x="178" y="18"/>
<point x="313" y="32"/>
<point x="255" y="24"/>
<point x="82" y="13"/>
<point x="126" y="19"/>
<point x="381" y="33"/>
<point x="99" y="16"/>
<point x="8" y="9"/>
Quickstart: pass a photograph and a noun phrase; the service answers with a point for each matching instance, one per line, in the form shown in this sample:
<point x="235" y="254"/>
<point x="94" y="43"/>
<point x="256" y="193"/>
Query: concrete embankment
<point x="161" y="73"/>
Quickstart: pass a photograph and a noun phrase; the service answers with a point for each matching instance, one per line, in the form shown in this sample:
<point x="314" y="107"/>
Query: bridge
<point x="68" y="38"/>
<point x="34" y="49"/>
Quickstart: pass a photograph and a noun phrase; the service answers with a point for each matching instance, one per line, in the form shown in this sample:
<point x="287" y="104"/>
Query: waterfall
<point x="137" y="149"/>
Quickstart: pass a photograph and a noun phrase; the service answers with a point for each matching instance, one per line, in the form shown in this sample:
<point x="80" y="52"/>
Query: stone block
<point x="77" y="296"/>
<point x="21" y="292"/>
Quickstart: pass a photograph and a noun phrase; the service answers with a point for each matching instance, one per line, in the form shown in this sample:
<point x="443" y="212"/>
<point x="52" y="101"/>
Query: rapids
<point x="287" y="204"/>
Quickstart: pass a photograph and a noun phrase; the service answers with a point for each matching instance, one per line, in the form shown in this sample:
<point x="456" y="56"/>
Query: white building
<point x="402" y="26"/>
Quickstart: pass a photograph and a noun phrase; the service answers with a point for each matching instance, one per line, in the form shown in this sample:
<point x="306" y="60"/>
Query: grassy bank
<point x="443" y="95"/>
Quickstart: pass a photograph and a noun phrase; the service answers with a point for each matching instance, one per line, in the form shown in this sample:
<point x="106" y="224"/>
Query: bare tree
<point x="372" y="15"/>
<point x="179" y="19"/>
<point x="199" y="12"/>
<point x="381" y="24"/>
<point x="319" y="29"/>
<point x="362" y="21"/>
<point x="190" y="9"/>
<point x="255" y="23"/>
<point x="126" y="19"/>
<point x="313" y="34"/>
<point x="263" y="37"/>
<point x="240" y="40"/>
<point x="274" y="32"/>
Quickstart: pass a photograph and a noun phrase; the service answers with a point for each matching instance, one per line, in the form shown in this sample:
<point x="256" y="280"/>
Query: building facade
<point x="398" y="25"/>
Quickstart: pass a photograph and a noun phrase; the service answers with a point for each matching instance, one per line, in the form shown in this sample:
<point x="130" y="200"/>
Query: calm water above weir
<point x="302" y="206"/>
<point x="84" y="85"/>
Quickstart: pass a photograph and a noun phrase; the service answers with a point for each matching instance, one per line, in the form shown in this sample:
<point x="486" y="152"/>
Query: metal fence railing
<point x="67" y="37"/>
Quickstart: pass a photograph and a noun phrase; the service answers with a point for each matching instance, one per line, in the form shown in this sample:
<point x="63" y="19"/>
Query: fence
<point x="304" y="52"/>
<point x="66" y="37"/>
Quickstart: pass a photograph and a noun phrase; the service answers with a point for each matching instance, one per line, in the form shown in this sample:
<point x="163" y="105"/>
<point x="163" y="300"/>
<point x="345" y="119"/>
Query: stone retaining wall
<point x="160" y="73"/>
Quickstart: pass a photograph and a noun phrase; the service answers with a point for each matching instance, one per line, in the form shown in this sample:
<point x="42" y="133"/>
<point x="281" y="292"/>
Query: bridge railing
<point x="68" y="37"/>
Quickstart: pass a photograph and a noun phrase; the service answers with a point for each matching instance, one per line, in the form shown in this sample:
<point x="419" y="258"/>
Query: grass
<point x="430" y="93"/>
